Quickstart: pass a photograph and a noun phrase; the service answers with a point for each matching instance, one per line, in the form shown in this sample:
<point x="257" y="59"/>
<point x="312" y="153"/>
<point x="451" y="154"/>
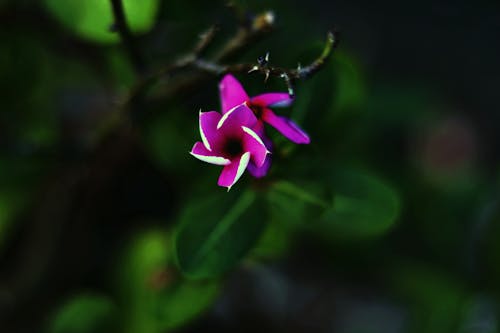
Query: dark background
<point x="407" y="105"/>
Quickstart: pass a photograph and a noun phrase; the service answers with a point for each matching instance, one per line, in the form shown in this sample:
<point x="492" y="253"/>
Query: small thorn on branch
<point x="289" y="75"/>
<point x="330" y="44"/>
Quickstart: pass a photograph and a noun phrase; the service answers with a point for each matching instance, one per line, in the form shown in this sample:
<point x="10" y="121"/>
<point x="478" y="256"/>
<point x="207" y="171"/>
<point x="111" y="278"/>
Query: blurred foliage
<point x="210" y="244"/>
<point x="19" y="179"/>
<point x="350" y="92"/>
<point x="159" y="135"/>
<point x="349" y="205"/>
<point x="394" y="202"/>
<point x="363" y="206"/>
<point x="26" y="93"/>
<point x="153" y="297"/>
<point x="85" y="314"/>
<point x="274" y="242"/>
<point x="436" y="299"/>
<point x="12" y="201"/>
<point x="93" y="19"/>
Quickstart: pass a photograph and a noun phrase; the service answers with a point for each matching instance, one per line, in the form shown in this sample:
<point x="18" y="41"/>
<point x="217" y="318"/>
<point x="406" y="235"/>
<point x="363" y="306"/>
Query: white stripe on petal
<point x="245" y="158"/>
<point x="217" y="160"/>
<point x="254" y="135"/>
<point x="203" y="137"/>
<point x="225" y="116"/>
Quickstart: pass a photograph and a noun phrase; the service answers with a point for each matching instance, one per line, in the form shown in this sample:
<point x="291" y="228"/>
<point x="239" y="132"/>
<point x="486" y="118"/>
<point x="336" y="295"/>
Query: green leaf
<point x="85" y="314"/>
<point x="351" y="91"/>
<point x="215" y="233"/>
<point x="184" y="302"/>
<point x="363" y="206"/>
<point x="154" y="297"/>
<point x="149" y="252"/>
<point x="274" y="243"/>
<point x="92" y="19"/>
<point x="299" y="193"/>
<point x="292" y="204"/>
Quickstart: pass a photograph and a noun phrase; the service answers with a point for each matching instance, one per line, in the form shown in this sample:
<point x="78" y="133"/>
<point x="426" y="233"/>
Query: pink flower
<point x="229" y="140"/>
<point x="232" y="94"/>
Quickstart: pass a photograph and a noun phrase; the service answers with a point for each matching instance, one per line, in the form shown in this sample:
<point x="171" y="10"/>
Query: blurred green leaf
<point x="350" y="90"/>
<point x="149" y="253"/>
<point x="154" y="297"/>
<point x="85" y="314"/>
<point x="142" y="275"/>
<point x="274" y="242"/>
<point x="363" y="206"/>
<point x="293" y="204"/>
<point x="184" y="302"/>
<point x="299" y="193"/>
<point x="92" y="19"/>
<point x="216" y="232"/>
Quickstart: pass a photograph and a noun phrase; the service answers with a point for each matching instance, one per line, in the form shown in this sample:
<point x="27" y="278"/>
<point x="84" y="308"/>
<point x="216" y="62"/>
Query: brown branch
<point x="206" y="39"/>
<point x="262" y="66"/>
<point x="245" y="36"/>
<point x="120" y="25"/>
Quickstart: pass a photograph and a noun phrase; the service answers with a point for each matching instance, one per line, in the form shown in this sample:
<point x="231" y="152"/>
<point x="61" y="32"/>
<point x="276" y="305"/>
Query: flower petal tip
<point x="232" y="93"/>
<point x="304" y="141"/>
<point x="233" y="171"/>
<point x="200" y="152"/>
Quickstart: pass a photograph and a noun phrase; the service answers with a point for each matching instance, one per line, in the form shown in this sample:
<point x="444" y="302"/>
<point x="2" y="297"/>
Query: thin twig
<point x="262" y="67"/>
<point x="260" y="25"/>
<point x="245" y="36"/>
<point x="121" y="26"/>
<point x="206" y="39"/>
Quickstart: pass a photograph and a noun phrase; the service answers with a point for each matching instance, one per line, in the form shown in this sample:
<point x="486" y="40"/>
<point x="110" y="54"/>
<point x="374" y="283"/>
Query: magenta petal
<point x="200" y="152"/>
<point x="254" y="170"/>
<point x="259" y="172"/>
<point x="286" y="127"/>
<point x="272" y="99"/>
<point x="253" y="144"/>
<point x="238" y="116"/>
<point x="208" y="128"/>
<point x="231" y="93"/>
<point x="232" y="172"/>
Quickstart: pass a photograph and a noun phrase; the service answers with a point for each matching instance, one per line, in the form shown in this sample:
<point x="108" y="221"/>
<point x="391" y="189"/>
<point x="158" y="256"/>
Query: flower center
<point x="257" y="110"/>
<point x="233" y="147"/>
